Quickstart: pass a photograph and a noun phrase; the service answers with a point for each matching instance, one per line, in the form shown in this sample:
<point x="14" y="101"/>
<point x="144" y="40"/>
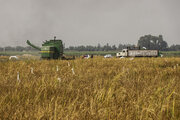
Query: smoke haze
<point x="88" y="22"/>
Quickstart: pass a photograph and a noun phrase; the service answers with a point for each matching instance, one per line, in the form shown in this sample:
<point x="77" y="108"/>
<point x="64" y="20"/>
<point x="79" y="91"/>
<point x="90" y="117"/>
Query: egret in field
<point x="144" y="48"/>
<point x="13" y="57"/>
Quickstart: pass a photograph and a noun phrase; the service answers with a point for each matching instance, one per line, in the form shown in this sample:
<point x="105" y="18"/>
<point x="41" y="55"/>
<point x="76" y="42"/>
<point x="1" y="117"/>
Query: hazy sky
<point x="88" y="22"/>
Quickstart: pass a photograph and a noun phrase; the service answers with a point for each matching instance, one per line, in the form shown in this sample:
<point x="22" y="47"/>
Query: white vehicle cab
<point x="123" y="53"/>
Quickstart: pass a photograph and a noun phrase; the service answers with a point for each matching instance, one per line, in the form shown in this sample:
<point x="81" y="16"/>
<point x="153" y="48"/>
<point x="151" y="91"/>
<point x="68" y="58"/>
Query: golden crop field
<point x="85" y="89"/>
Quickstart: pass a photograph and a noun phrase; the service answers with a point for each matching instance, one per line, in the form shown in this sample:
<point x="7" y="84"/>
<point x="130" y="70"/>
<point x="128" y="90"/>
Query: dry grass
<point x="139" y="89"/>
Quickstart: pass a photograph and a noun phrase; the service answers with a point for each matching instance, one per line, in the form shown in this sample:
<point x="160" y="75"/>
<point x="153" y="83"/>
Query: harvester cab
<point x="52" y="49"/>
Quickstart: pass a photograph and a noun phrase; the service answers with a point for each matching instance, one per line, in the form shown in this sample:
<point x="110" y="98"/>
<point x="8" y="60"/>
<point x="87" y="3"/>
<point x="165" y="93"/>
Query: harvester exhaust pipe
<point x="54" y="38"/>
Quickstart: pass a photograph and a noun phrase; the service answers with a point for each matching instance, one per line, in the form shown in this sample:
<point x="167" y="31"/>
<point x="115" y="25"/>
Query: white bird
<point x="144" y="48"/>
<point x="15" y="57"/>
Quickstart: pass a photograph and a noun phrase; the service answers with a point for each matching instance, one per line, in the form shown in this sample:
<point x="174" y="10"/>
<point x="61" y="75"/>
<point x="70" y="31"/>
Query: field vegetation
<point x="98" y="88"/>
<point x="171" y="53"/>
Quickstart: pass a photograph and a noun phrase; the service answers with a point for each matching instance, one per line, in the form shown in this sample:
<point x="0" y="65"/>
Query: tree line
<point x="17" y="48"/>
<point x="88" y="48"/>
<point x="106" y="47"/>
<point x="144" y="42"/>
<point x="99" y="47"/>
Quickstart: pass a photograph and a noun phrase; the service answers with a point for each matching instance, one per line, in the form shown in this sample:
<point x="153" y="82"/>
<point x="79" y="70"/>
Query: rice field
<point x="83" y="89"/>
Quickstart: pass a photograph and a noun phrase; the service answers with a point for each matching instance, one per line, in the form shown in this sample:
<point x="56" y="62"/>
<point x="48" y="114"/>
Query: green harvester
<point x="52" y="49"/>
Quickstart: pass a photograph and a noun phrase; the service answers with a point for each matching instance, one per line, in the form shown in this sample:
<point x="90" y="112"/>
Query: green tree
<point x="9" y="48"/>
<point x="153" y="42"/>
<point x="1" y="48"/>
<point x="19" y="48"/>
<point x="114" y="47"/>
<point x="174" y="48"/>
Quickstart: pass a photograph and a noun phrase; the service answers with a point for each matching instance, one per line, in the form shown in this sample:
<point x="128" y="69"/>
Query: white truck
<point x="137" y="53"/>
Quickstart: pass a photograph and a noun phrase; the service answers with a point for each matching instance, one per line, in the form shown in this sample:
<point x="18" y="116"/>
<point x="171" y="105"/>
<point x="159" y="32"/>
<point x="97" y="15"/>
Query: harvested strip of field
<point x="140" y="88"/>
